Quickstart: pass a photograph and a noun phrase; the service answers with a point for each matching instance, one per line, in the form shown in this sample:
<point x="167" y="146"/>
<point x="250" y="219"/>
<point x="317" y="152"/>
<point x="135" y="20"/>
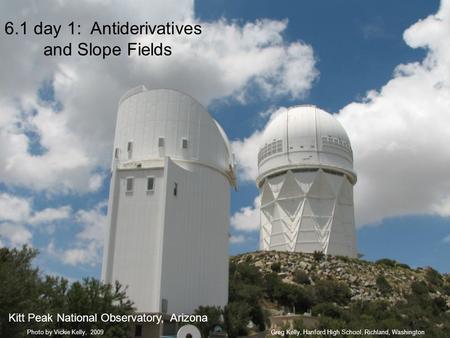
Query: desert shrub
<point x="433" y="277"/>
<point x="344" y="258"/>
<point x="276" y="267"/>
<point x="440" y="304"/>
<point x="327" y="309"/>
<point x="326" y="323"/>
<point x="298" y="325"/>
<point x="246" y="273"/>
<point x="332" y="291"/>
<point x="293" y="297"/>
<point x="383" y="285"/>
<point x="405" y="266"/>
<point x="386" y="262"/>
<point x="447" y="289"/>
<point x="318" y="256"/>
<point x="419" y="288"/>
<point x="301" y="277"/>
<point x="375" y="311"/>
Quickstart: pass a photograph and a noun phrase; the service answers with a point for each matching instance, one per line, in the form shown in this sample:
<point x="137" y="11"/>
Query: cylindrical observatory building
<point x="306" y="183"/>
<point x="169" y="200"/>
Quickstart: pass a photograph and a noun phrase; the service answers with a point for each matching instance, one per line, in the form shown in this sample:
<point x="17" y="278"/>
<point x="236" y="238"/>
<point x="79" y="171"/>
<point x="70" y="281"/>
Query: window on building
<point x="130" y="149"/>
<point x="130" y="183"/>
<point x="184" y="143"/>
<point x="175" y="189"/>
<point x="164" y="304"/>
<point x="116" y="153"/>
<point x="150" y="183"/>
<point x="161" y="142"/>
<point x="138" y="331"/>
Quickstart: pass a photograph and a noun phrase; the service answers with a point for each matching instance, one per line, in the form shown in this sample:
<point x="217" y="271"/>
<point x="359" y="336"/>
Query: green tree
<point x="328" y="309"/>
<point x="247" y="286"/>
<point x="330" y="290"/>
<point x="214" y="314"/>
<point x="19" y="289"/>
<point x="271" y="285"/>
<point x="330" y="299"/>
<point x="296" y="298"/>
<point x="91" y="296"/>
<point x="23" y="290"/>
<point x="326" y="323"/>
<point x="236" y="316"/>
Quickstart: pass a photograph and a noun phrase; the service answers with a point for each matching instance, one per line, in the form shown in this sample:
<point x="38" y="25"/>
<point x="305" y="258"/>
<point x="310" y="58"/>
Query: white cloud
<point x="64" y="166"/>
<point x="17" y="214"/>
<point x="49" y="215"/>
<point x="13" y="208"/>
<point x="399" y="134"/>
<point x="224" y="61"/>
<point x="83" y="255"/>
<point x="447" y="239"/>
<point x="94" y="223"/>
<point x="17" y="217"/>
<point x="19" y="210"/>
<point x="88" y="244"/>
<point x="237" y="239"/>
<point x="247" y="218"/>
<point x="95" y="182"/>
<point x="246" y="150"/>
<point x="14" y="234"/>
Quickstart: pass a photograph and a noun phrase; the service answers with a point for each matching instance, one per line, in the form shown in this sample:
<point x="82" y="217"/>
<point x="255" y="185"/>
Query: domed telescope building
<point x="306" y="181"/>
<point x="169" y="201"/>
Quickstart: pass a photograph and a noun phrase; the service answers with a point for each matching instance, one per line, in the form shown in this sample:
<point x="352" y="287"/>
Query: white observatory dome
<point x="306" y="181"/>
<point x="153" y="124"/>
<point x="305" y="137"/>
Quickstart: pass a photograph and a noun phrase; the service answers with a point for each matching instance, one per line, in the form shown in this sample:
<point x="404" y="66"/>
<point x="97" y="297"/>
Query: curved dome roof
<point x="305" y="137"/>
<point x="166" y="122"/>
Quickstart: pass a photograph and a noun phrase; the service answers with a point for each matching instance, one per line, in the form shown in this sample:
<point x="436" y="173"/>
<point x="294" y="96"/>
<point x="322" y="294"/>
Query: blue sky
<point x="346" y="49"/>
<point x="358" y="46"/>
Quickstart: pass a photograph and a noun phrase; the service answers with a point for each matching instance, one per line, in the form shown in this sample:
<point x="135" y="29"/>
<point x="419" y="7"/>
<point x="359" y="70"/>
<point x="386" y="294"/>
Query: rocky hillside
<point x="383" y="280"/>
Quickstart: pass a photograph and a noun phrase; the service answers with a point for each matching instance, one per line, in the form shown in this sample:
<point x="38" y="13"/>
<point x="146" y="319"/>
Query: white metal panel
<point x="135" y="251"/>
<point x="308" y="181"/>
<point x="319" y="217"/>
<point x="195" y="252"/>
